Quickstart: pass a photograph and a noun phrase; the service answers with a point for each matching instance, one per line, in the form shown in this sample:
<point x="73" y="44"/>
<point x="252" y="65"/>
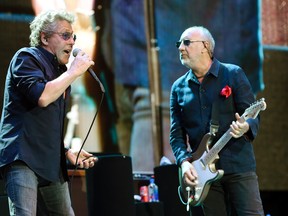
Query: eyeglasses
<point x="66" y="35"/>
<point x="187" y="42"/>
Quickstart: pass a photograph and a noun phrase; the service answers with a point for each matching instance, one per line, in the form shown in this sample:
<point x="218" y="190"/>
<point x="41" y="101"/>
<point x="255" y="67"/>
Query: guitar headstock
<point x="254" y="109"/>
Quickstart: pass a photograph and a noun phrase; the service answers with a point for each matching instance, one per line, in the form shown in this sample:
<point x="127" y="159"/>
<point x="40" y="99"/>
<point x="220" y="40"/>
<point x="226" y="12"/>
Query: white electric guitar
<point x="204" y="160"/>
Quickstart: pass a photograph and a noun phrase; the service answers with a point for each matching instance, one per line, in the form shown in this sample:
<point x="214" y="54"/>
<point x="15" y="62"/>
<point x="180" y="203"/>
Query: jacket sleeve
<point x="177" y="133"/>
<point x="244" y="97"/>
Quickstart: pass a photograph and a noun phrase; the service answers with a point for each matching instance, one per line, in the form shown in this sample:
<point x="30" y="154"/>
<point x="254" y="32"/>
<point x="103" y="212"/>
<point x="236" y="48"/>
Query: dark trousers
<point x="234" y="194"/>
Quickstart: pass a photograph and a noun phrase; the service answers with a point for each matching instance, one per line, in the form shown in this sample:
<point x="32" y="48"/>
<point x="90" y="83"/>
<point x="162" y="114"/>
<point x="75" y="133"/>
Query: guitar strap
<point x="222" y="79"/>
<point x="214" y="122"/>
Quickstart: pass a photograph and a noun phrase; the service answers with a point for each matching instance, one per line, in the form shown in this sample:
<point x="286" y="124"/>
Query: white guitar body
<point x="205" y="157"/>
<point x="206" y="173"/>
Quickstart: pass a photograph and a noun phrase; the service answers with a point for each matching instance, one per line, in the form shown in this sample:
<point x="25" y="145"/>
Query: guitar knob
<point x="196" y="195"/>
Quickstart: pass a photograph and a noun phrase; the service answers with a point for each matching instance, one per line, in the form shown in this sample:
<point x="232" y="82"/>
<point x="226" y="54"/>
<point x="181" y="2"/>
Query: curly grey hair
<point x="46" y="22"/>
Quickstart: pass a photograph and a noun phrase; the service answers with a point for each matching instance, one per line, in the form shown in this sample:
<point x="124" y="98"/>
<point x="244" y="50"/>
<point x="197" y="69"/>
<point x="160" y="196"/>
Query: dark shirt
<point x="191" y="105"/>
<point x="28" y="132"/>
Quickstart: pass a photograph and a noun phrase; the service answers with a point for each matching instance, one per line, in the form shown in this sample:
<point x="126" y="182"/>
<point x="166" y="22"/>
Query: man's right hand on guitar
<point x="189" y="174"/>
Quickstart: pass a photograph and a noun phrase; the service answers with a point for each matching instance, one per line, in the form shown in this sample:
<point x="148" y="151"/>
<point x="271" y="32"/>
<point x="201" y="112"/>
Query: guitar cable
<point x="188" y="189"/>
<point x="190" y="198"/>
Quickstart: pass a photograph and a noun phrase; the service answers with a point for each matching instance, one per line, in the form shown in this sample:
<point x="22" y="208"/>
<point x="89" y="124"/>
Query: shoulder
<point x="232" y="71"/>
<point x="182" y="80"/>
<point x="231" y="67"/>
<point x="27" y="51"/>
<point x="31" y="50"/>
<point x="27" y="57"/>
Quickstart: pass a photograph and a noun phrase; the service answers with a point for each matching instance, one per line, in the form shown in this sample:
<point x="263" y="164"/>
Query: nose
<point x="72" y="39"/>
<point x="181" y="45"/>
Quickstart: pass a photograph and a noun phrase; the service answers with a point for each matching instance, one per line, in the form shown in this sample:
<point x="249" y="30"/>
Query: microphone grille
<point x="76" y="51"/>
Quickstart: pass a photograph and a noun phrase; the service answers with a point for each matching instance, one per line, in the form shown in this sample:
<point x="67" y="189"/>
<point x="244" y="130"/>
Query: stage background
<point x="270" y="82"/>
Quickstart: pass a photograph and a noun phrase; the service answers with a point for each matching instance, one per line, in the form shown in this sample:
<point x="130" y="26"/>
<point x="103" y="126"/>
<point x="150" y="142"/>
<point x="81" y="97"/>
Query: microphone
<point x="92" y="73"/>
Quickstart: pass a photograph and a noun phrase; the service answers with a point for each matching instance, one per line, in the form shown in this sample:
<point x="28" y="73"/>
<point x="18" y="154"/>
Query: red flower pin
<point x="226" y="91"/>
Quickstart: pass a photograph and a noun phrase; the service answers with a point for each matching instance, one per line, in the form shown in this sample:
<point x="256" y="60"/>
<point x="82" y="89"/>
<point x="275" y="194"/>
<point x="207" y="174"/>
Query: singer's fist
<point x="81" y="63"/>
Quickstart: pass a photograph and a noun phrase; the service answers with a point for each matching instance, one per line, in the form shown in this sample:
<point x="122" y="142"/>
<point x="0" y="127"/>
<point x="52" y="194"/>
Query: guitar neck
<point x="250" y="112"/>
<point x="213" y="152"/>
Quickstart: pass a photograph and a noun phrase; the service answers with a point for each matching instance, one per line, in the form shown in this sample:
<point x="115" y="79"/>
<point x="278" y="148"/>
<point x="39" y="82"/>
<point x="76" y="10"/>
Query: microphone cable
<point x="83" y="143"/>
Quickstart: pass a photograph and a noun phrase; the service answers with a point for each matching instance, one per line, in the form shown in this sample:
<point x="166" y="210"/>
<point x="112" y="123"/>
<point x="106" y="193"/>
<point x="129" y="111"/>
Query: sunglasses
<point x="66" y="35"/>
<point x="187" y="42"/>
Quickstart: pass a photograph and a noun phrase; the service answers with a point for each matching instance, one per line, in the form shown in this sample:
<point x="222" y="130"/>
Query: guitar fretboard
<point x="213" y="152"/>
<point x="250" y="112"/>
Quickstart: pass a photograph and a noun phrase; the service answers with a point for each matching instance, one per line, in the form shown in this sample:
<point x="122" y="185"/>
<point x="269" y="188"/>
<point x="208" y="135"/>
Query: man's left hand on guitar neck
<point x="238" y="127"/>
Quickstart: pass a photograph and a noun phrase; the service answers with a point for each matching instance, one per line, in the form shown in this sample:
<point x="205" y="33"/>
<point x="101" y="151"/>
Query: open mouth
<point x="67" y="52"/>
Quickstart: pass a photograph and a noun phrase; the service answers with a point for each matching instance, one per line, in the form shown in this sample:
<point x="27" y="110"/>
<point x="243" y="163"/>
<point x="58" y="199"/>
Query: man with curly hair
<point x="37" y="89"/>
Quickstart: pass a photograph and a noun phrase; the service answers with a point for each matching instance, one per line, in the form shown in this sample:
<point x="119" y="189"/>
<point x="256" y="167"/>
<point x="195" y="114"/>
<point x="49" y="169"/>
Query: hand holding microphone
<point x="92" y="73"/>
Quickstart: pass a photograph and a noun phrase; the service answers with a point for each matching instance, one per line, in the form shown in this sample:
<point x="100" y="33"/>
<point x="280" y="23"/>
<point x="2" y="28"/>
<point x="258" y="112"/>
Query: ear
<point x="44" y="39"/>
<point x="208" y="48"/>
<point x="207" y="44"/>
